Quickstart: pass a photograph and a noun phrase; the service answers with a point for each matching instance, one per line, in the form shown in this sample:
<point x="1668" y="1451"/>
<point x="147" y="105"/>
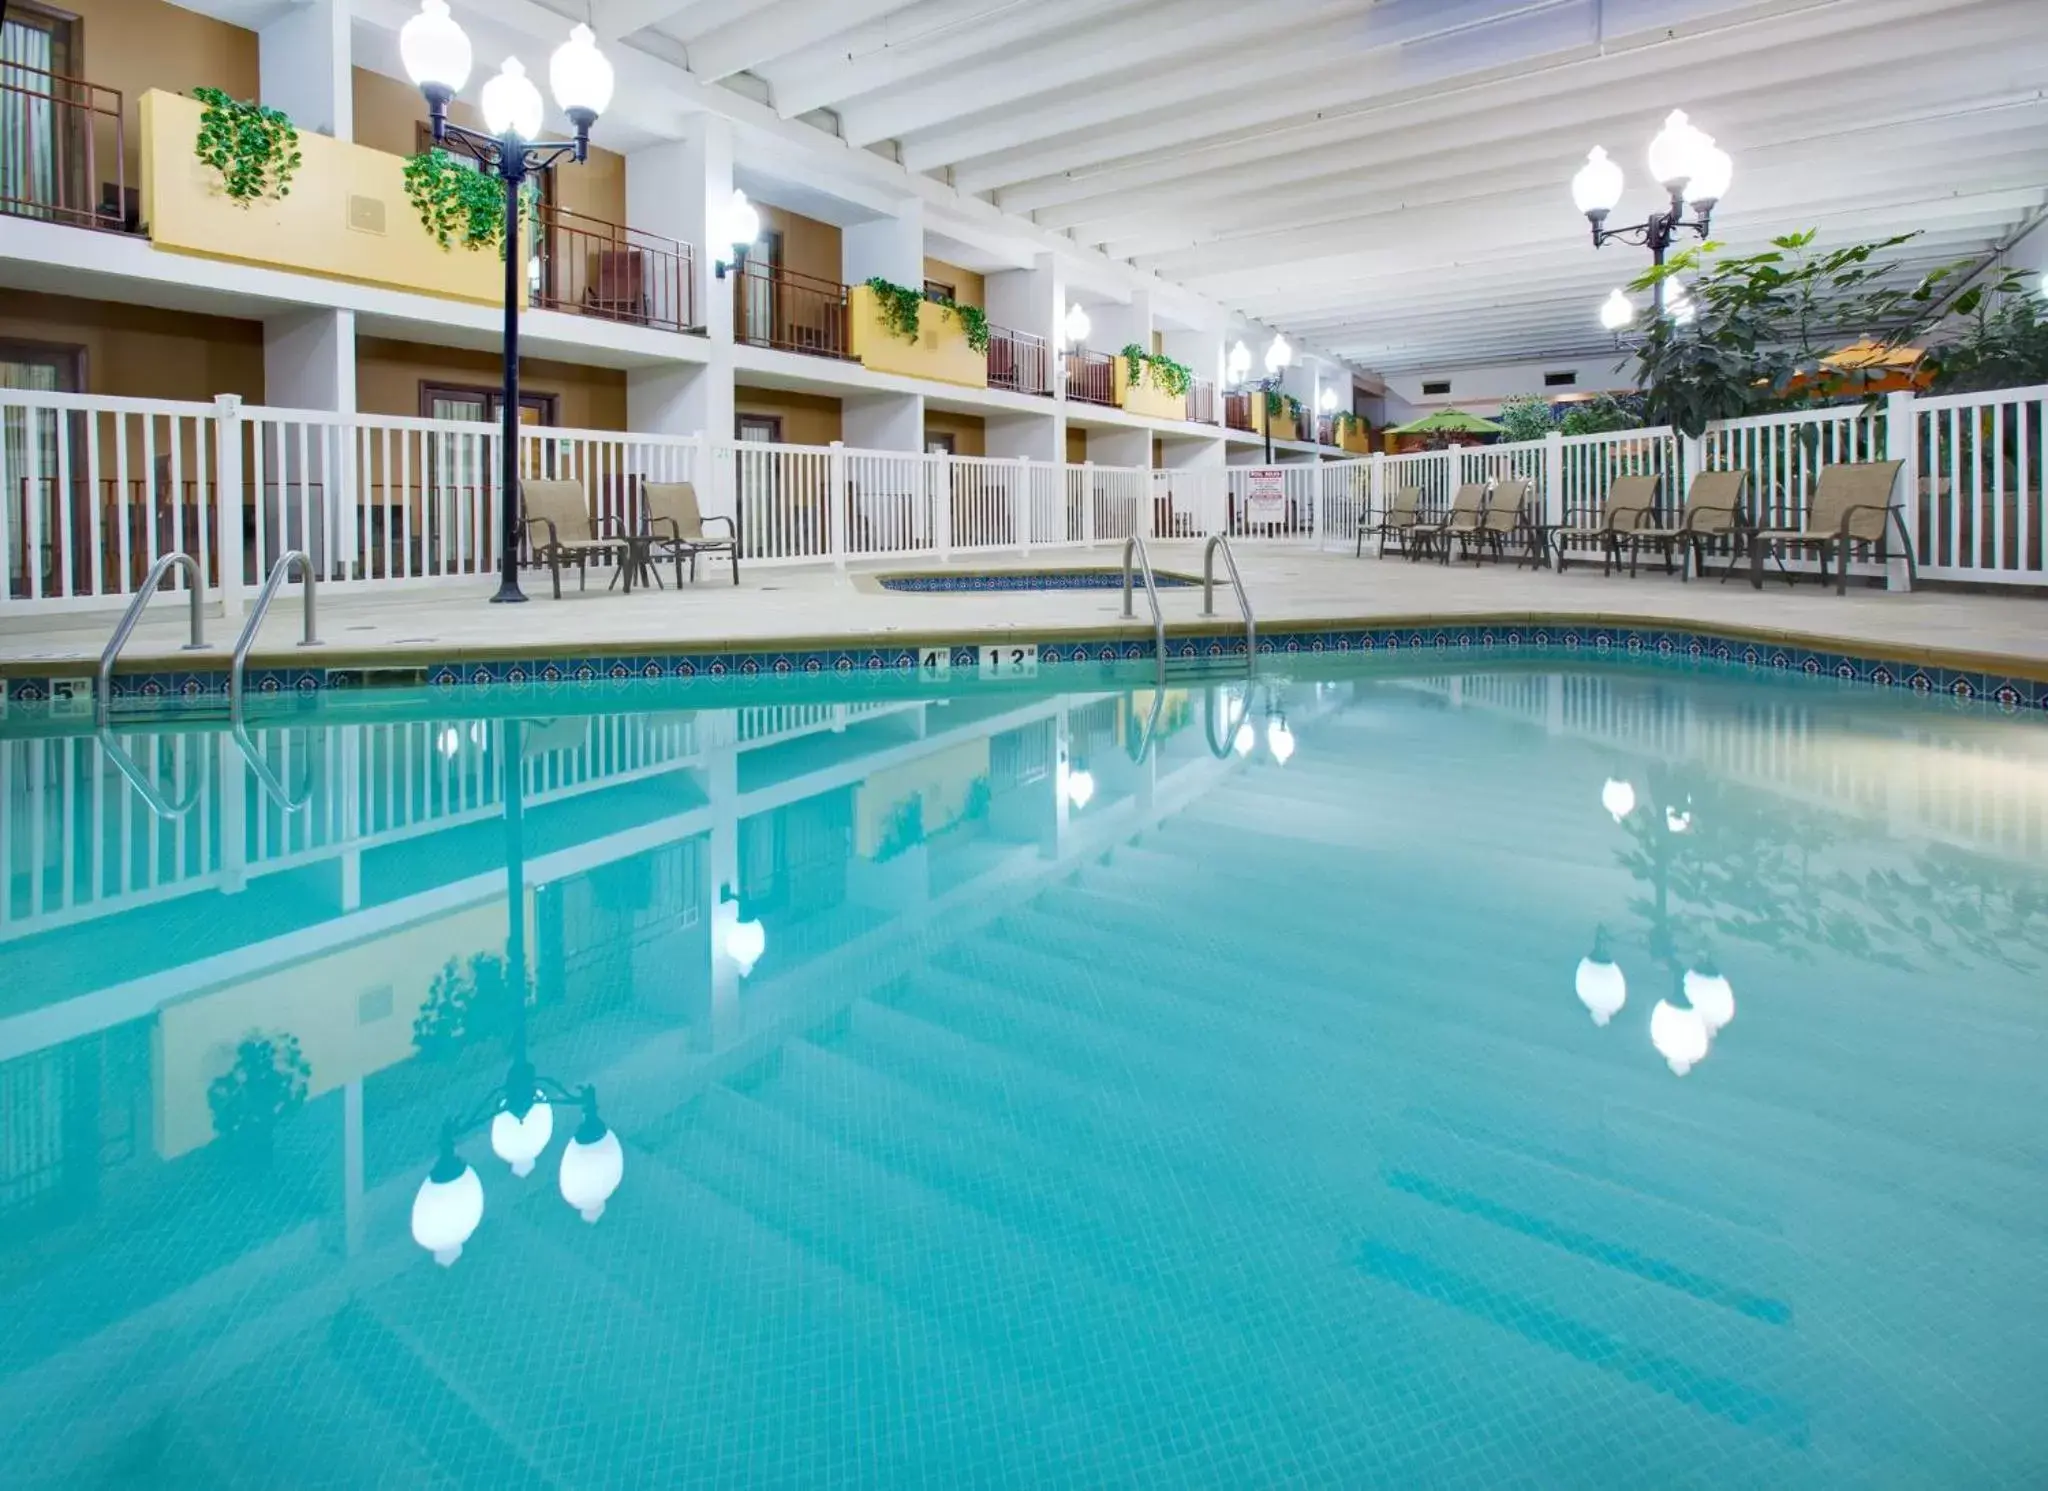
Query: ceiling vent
<point x="1560" y="380"/>
<point x="1441" y="387"/>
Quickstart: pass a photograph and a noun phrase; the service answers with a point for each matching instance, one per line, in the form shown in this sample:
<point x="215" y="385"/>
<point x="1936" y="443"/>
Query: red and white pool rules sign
<point x="1265" y="495"/>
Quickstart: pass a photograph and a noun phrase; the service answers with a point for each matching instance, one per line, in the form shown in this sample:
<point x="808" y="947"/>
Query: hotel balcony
<point x="590" y="267"/>
<point x="64" y="151"/>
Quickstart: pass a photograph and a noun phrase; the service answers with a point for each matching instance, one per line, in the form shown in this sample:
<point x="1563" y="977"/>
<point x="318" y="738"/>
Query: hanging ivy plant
<point x="256" y="150"/>
<point x="973" y="321"/>
<point x="899" y="305"/>
<point x="457" y="203"/>
<point x="1171" y="378"/>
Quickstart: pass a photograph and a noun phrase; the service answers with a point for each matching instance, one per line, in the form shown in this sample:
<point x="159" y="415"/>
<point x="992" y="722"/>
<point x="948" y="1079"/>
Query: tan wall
<point x="389" y="374"/>
<point x="808" y="246"/>
<point x="137" y="352"/>
<point x="807" y="419"/>
<point x="1077" y="444"/>
<point x="969" y="431"/>
<point x="969" y="288"/>
<point x="389" y="113"/>
<point x="136" y="45"/>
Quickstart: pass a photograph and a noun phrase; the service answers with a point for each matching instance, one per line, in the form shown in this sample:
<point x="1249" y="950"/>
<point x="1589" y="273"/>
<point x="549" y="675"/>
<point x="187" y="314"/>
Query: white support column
<point x="306" y="66"/>
<point x="835" y="504"/>
<point x="891" y="247"/>
<point x="309" y="362"/>
<point x="1553" y="478"/>
<point x="230" y="504"/>
<point x="680" y="189"/>
<point x="1902" y="443"/>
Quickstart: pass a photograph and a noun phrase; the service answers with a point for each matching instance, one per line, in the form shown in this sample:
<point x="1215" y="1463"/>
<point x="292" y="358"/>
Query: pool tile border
<point x="2011" y="693"/>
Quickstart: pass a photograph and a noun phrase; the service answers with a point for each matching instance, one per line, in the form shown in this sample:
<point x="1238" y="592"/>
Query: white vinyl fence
<point x="93" y="490"/>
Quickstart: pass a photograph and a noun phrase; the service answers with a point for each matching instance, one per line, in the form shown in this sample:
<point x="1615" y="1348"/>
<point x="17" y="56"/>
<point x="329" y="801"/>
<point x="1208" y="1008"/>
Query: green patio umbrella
<point x="1449" y="422"/>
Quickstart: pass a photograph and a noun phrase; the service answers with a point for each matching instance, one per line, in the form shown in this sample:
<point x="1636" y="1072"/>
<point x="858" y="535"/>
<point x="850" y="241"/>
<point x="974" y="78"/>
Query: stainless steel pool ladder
<point x="103" y="685"/>
<point x="1134" y="548"/>
<point x="1244" y="602"/>
<point x="310" y="636"/>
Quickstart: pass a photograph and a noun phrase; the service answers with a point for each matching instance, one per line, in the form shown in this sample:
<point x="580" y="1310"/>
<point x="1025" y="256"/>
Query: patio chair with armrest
<point x="1500" y="524"/>
<point x="1715" y="509"/>
<point x="573" y="535"/>
<point x="1404" y="512"/>
<point x="1851" y="504"/>
<point x="680" y="528"/>
<point x="1468" y="506"/>
<point x="1630" y="500"/>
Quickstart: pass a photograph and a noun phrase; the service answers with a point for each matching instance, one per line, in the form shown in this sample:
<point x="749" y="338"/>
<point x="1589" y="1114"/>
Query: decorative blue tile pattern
<point x="187" y="689"/>
<point x="1085" y="579"/>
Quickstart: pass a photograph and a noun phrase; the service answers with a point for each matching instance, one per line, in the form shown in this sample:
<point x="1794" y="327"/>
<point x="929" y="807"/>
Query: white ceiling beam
<point x="1259" y="59"/>
<point x="1147" y="151"/>
<point x="1121" y="47"/>
<point x="920" y="39"/>
<point x="621" y="18"/>
<point x="774" y="30"/>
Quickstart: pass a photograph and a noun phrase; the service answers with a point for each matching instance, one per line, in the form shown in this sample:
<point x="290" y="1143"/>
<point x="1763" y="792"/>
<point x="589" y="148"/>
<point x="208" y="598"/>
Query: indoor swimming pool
<point x="1383" y="1073"/>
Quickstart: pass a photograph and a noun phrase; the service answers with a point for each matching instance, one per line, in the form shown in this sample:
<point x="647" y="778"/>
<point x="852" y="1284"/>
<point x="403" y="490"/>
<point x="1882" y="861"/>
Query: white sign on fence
<point x="1265" y="495"/>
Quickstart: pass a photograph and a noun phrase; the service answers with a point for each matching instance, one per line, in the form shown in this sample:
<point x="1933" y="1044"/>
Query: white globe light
<point x="1278" y="355"/>
<point x="1077" y="325"/>
<point x="434" y="50"/>
<point x="519" y="1141"/>
<point x="512" y="105"/>
<point x="1080" y="788"/>
<point x="1618" y="797"/>
<point x="1245" y="739"/>
<point x="581" y="76"/>
<point x="1679" y="1035"/>
<point x="1712" y="173"/>
<point x="1327" y="400"/>
<point x="1710" y="993"/>
<point x="1602" y="988"/>
<point x="1676" y="153"/>
<point x="1241" y="356"/>
<point x="1279" y="740"/>
<point x="592" y="1166"/>
<point x="742" y="223"/>
<point x="1677" y="820"/>
<point x="449" y="744"/>
<point x="744" y="944"/>
<point x="1597" y="187"/>
<point x="447" y="1209"/>
<point x="1617" y="311"/>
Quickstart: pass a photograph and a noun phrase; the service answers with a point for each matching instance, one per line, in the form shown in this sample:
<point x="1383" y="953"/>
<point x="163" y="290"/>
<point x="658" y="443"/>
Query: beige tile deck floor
<point x="1287" y="584"/>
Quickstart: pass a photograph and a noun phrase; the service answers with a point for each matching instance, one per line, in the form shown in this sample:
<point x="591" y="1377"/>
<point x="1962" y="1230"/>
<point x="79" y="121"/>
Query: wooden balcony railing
<point x="788" y="311"/>
<point x="63" y="151"/>
<point x="1091" y="378"/>
<point x="1201" y="402"/>
<point x="602" y="269"/>
<point x="1018" y="361"/>
<point x="1237" y="411"/>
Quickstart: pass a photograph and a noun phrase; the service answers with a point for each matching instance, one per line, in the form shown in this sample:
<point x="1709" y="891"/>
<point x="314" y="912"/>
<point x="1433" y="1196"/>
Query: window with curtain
<point x="29" y="48"/>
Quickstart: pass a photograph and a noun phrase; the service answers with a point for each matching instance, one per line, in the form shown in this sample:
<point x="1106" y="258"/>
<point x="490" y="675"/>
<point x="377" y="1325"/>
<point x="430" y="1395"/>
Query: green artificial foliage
<point x="1603" y="414"/>
<point x="1763" y="323"/>
<point x="1526" y="416"/>
<point x="256" y="150"/>
<point x="1171" y="378"/>
<point x="457" y="203"/>
<point x="2003" y="344"/>
<point x="267" y="1082"/>
<point x="900" y="307"/>
<point x="973" y="321"/>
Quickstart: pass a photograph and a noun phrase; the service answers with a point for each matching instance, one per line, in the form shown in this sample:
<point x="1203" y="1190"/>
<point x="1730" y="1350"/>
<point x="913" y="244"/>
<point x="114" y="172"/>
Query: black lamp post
<point x="1690" y="168"/>
<point x="437" y="55"/>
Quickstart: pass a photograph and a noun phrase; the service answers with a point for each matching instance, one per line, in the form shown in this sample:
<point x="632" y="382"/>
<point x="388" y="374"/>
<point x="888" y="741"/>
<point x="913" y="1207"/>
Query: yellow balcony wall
<point x="1146" y="396"/>
<point x="940" y="354"/>
<point x="347" y="216"/>
<point x="1285" y="426"/>
<point x="1355" y="438"/>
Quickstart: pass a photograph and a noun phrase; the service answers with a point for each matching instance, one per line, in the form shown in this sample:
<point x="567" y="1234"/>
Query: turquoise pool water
<point x="960" y="1101"/>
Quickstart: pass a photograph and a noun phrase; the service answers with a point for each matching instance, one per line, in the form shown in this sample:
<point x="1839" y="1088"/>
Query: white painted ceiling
<point x="1387" y="180"/>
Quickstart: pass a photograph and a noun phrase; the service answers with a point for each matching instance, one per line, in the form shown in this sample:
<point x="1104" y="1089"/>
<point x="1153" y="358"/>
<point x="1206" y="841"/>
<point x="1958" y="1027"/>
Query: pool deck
<point x="785" y="608"/>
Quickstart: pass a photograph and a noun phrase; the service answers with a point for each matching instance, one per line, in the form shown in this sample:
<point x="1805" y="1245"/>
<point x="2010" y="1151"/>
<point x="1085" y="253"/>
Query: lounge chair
<point x="1499" y="524"/>
<point x="1630" y="500"/>
<point x="1404" y="512"/>
<point x="1714" y="510"/>
<point x="1468" y="506"/>
<point x="679" y="527"/>
<point x="1852" y="504"/>
<point x="572" y="534"/>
